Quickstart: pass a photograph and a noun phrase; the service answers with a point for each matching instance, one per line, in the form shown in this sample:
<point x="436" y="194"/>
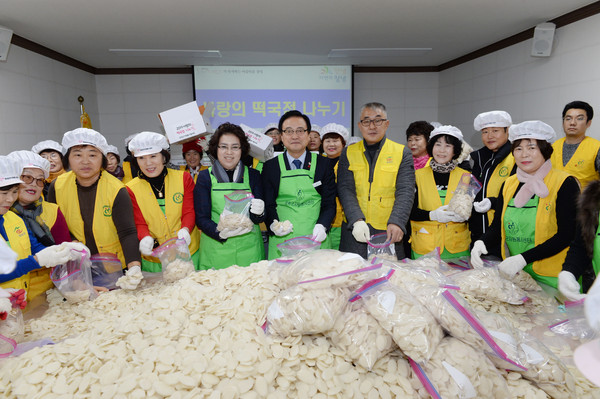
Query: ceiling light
<point x="379" y="52"/>
<point x="164" y="52"/>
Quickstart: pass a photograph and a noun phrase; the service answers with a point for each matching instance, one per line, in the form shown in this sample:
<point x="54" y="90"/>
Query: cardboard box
<point x="261" y="146"/>
<point x="183" y="123"/>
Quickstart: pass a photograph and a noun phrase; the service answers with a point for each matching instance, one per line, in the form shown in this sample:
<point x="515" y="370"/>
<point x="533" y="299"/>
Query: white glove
<point x="482" y="206"/>
<point x="478" y="249"/>
<point x="512" y="265"/>
<point x="227" y="233"/>
<point x="281" y="229"/>
<point x="76" y="246"/>
<point x="360" y="231"/>
<point x="5" y="305"/>
<point x="257" y="206"/>
<point x="569" y="287"/>
<point x="319" y="233"/>
<point x="8" y="258"/>
<point x="54" y="255"/>
<point x="131" y="279"/>
<point x="443" y="216"/>
<point x="146" y="245"/>
<point x="184" y="234"/>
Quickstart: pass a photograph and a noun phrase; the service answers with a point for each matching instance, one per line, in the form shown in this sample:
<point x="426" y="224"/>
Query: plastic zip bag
<point x="486" y="283"/>
<point x="12" y="331"/>
<point x="298" y="246"/>
<point x="74" y="279"/>
<point x="379" y="246"/>
<point x="175" y="258"/>
<point x="413" y="328"/>
<point x="106" y="270"/>
<point x="461" y="202"/>
<point x="236" y="212"/>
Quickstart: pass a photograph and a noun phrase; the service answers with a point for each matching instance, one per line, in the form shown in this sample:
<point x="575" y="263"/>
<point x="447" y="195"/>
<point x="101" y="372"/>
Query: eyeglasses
<point x="29" y="179"/>
<point x="376" y="122"/>
<point x="233" y="148"/>
<point x="51" y="155"/>
<point x="289" y="131"/>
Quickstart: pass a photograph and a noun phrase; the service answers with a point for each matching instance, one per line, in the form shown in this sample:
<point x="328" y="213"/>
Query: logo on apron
<point x="178" y="198"/>
<point x="107" y="210"/>
<point x="503" y="172"/>
<point x="512" y="227"/>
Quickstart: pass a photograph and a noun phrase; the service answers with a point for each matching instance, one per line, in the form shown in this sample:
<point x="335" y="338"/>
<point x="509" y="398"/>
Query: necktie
<point x="297" y="163"/>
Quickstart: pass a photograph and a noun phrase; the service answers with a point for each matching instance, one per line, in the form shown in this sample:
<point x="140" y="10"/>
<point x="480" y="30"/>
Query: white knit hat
<point x="48" y="145"/>
<point x="146" y="143"/>
<point x="10" y="171"/>
<point x="492" y="119"/>
<point x="447" y="129"/>
<point x="111" y="149"/>
<point x="30" y="159"/>
<point x="84" y="136"/>
<point x="531" y="130"/>
<point x="335" y="128"/>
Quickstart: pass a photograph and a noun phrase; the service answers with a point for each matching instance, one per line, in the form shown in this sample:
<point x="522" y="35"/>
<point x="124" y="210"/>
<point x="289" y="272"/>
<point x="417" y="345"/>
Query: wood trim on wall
<point x="563" y="20"/>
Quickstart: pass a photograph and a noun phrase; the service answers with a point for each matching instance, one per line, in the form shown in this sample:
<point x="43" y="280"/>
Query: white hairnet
<point x="146" y="143"/>
<point x="30" y="159"/>
<point x="531" y="130"/>
<point x="492" y="119"/>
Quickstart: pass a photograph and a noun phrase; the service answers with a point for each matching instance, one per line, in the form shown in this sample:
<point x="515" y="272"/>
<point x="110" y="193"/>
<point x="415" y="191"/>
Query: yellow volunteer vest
<point x="376" y="199"/>
<point x="36" y="281"/>
<point x="105" y="232"/>
<point x="427" y="235"/>
<point x="163" y="226"/>
<point x="582" y="164"/>
<point x="127" y="171"/>
<point x="545" y="221"/>
<point x="500" y="174"/>
<point x="339" y="212"/>
<point x="49" y="213"/>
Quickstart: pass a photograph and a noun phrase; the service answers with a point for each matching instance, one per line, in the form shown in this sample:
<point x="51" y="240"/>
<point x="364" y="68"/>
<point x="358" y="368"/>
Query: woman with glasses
<point x="43" y="219"/>
<point x="163" y="199"/>
<point x="536" y="207"/>
<point x="273" y="132"/>
<point x="240" y="245"/>
<point x="53" y="153"/>
<point x="34" y="259"/>
<point x="299" y="187"/>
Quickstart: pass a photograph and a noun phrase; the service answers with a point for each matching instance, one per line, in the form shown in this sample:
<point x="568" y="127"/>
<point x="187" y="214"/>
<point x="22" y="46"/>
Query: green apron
<point x="240" y="250"/>
<point x="297" y="201"/>
<point x="333" y="239"/>
<point x="445" y="253"/>
<point x="596" y="258"/>
<point x="519" y="229"/>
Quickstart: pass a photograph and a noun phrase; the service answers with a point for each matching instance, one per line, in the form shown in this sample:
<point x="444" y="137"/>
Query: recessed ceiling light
<point x="379" y="52"/>
<point x="165" y="52"/>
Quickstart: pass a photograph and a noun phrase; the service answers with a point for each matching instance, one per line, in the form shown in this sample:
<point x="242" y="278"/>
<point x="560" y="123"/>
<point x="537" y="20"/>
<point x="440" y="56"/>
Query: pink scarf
<point x="534" y="184"/>
<point x="420" y="162"/>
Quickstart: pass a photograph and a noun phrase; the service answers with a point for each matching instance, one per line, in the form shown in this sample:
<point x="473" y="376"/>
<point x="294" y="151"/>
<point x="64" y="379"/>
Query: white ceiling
<point x="270" y="32"/>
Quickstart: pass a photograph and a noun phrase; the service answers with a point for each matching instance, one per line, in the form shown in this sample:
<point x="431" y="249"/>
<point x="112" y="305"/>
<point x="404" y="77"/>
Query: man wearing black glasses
<point x="299" y="187"/>
<point x="376" y="185"/>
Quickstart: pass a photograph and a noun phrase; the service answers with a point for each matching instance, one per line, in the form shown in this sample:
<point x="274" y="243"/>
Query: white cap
<point x="84" y="136"/>
<point x="111" y="149"/>
<point x="335" y="128"/>
<point x="10" y="171"/>
<point x="492" y="119"/>
<point x="353" y="140"/>
<point x="271" y="126"/>
<point x="315" y="128"/>
<point x="146" y="143"/>
<point x="531" y="130"/>
<point x="30" y="159"/>
<point x="48" y="145"/>
<point x="435" y="124"/>
<point x="129" y="138"/>
<point x="446" y="129"/>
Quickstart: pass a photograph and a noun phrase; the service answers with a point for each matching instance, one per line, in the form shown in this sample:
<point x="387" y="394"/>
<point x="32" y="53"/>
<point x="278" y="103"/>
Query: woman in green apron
<point x="163" y="203"/>
<point x="237" y="245"/>
<point x="299" y="187"/>
<point x="536" y="205"/>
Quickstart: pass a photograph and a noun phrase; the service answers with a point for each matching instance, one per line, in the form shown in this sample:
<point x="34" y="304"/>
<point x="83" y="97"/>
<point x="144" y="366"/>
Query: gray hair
<point x="379" y="107"/>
